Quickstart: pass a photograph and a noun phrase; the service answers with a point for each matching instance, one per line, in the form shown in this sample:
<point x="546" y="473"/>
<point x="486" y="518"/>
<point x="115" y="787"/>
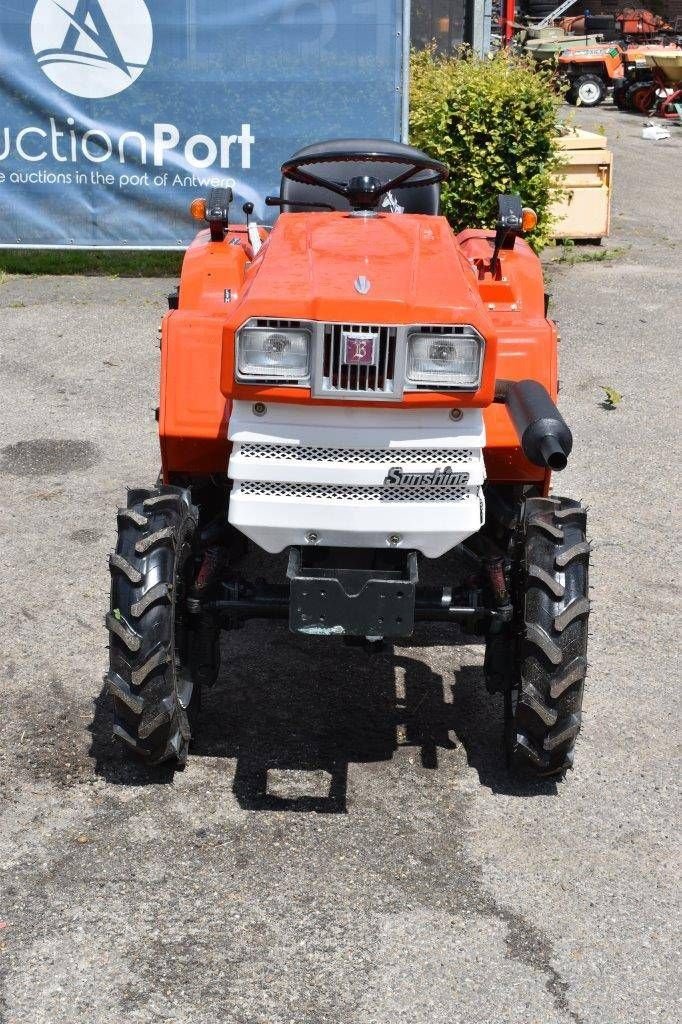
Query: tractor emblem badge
<point x="362" y="285"/>
<point x="360" y="349"/>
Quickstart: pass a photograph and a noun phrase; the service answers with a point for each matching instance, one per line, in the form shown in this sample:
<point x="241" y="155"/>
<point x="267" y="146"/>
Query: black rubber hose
<point x="544" y="434"/>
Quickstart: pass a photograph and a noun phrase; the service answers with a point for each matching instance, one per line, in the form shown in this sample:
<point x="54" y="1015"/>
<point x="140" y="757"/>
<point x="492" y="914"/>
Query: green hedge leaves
<point x="492" y="121"/>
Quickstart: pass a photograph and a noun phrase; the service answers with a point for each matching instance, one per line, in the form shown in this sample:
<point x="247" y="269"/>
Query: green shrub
<point x="492" y="121"/>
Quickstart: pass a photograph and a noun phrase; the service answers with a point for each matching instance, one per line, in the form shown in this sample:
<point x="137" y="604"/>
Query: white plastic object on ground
<point x="655" y="132"/>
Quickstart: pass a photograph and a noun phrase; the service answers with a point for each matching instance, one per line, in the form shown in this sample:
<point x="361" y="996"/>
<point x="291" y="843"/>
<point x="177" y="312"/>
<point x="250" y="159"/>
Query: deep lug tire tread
<point x="552" y="644"/>
<point x="122" y="630"/>
<point x="155" y="532"/>
<point x="151" y="540"/>
<point x="549" y="580"/>
<point x="132" y="516"/>
<point x="564" y="557"/>
<point x="119" y="564"/>
<point x="161" y="592"/>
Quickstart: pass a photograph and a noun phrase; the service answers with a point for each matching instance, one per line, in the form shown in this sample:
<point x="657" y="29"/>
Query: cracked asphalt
<point x="345" y="846"/>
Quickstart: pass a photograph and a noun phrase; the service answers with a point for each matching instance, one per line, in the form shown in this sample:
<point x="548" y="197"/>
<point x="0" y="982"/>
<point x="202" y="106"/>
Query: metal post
<point x="508" y="19"/>
<point x="477" y="17"/>
<point x="487" y="27"/>
<point x="406" y="30"/>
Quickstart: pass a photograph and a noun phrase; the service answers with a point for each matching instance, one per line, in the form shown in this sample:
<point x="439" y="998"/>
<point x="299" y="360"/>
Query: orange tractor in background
<point x="592" y="71"/>
<point x="361" y="391"/>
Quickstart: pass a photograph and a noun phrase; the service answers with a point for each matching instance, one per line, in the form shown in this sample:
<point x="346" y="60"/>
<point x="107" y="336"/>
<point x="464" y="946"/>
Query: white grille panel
<point x="292" y="476"/>
<point x="346" y="492"/>
<point x="359" y="456"/>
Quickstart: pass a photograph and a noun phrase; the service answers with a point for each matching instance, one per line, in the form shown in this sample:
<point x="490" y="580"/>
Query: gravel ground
<point x="416" y="883"/>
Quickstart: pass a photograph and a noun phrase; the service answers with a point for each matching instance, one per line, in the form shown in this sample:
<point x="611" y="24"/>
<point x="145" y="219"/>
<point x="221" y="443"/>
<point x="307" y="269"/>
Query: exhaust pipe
<point x="543" y="432"/>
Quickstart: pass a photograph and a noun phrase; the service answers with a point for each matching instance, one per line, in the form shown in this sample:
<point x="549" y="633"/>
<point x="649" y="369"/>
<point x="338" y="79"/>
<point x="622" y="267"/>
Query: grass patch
<point x="572" y="254"/>
<point x="89" y="263"/>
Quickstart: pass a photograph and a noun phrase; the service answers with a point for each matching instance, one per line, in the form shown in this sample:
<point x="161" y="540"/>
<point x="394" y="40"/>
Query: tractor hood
<point x="389" y="269"/>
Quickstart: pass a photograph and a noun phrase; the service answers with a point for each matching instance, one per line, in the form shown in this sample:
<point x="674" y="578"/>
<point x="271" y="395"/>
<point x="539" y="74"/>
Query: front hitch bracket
<point x="350" y="602"/>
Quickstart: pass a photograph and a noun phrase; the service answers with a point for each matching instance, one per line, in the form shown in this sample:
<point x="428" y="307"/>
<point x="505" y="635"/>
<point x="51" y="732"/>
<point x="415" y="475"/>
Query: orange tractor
<point x="363" y="391"/>
<point x="591" y="71"/>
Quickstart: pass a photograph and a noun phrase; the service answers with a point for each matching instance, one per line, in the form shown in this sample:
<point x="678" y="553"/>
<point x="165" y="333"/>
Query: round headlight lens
<point x="276" y="345"/>
<point x="441" y="352"/>
<point x="445" y="360"/>
<point x="272" y="355"/>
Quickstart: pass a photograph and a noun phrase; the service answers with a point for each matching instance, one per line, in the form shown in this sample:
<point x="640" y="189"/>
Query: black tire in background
<point x="551" y="598"/>
<point x="640" y="98"/>
<point x="538" y="9"/>
<point x="151" y="572"/>
<point x="620" y="91"/>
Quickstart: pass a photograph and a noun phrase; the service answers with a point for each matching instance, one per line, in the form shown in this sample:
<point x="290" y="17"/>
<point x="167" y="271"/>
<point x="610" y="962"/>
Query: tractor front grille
<point x="337" y="378"/>
<point x="351" y="492"/>
<point x="432" y="457"/>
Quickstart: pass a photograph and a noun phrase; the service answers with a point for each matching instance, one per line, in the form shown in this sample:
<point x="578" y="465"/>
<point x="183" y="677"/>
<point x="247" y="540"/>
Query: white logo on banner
<point x="92" y="48"/>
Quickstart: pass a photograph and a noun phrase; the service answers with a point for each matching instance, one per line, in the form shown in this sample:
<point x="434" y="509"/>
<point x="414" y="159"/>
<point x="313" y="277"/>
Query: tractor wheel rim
<point x="588" y="92"/>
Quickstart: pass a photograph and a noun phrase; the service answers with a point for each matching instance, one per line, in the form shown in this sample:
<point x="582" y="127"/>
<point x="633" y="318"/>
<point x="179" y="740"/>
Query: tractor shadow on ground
<point x="309" y="708"/>
<point x="304" y="710"/>
<point x="294" y="712"/>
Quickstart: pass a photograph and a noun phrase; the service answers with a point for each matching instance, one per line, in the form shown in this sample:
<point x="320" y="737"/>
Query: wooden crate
<point x="586" y="175"/>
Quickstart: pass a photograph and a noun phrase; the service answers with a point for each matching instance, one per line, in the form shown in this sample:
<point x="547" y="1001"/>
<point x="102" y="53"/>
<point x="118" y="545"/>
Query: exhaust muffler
<point x="545" y="436"/>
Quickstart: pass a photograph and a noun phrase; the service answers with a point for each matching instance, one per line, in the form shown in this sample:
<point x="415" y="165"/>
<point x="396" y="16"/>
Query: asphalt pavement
<point x="345" y="845"/>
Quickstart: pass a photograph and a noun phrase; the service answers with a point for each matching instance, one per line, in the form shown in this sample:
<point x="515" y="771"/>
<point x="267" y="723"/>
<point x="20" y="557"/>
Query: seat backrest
<point x="419" y="199"/>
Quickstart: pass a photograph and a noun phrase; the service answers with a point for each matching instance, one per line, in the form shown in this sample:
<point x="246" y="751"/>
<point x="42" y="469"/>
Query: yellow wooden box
<point x="585" y="175"/>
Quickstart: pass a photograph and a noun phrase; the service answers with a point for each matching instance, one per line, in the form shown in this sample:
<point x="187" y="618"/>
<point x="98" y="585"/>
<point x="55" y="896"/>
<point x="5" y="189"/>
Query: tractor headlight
<point x="273" y="353"/>
<point x="445" y="360"/>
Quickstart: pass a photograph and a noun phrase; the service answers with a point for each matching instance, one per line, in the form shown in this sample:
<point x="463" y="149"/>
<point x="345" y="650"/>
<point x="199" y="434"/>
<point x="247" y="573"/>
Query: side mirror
<point x="509" y="215"/>
<point x="216" y="210"/>
<point x="513" y="220"/>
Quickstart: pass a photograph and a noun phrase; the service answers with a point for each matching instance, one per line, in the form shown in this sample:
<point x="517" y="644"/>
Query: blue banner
<point x="116" y="113"/>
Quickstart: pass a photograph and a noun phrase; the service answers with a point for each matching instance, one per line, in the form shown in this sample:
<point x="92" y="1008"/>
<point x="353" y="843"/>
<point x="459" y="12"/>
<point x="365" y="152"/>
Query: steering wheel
<point x="364" y="192"/>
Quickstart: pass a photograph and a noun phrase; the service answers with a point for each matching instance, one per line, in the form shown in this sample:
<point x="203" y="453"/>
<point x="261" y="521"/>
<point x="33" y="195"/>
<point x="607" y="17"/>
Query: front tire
<point x="587" y="91"/>
<point x="552" y="607"/>
<point x="148" y="675"/>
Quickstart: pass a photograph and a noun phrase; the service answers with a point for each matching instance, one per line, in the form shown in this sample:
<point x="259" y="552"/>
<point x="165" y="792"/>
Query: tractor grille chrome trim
<point x="384" y="377"/>
<point x="335" y="377"/>
<point x="352" y="493"/>
<point x="358" y="456"/>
